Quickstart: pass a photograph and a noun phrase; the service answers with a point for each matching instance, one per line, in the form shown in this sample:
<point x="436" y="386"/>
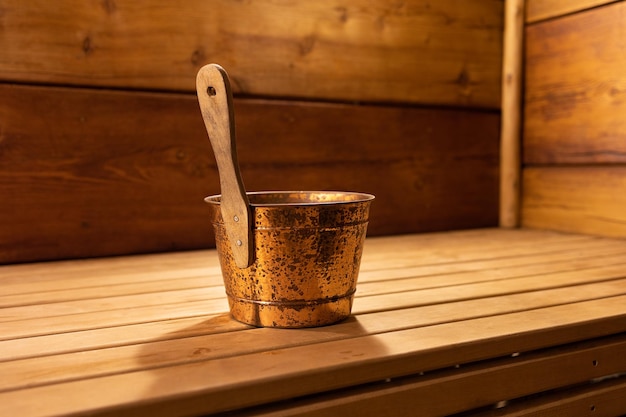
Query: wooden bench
<point x="443" y="323"/>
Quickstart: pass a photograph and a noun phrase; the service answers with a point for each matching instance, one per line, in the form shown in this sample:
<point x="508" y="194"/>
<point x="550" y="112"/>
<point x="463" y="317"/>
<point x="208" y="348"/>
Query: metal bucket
<point x="307" y="253"/>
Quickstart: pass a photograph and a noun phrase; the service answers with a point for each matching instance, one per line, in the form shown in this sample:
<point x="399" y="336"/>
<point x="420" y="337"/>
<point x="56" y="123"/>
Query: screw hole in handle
<point x="211" y="91"/>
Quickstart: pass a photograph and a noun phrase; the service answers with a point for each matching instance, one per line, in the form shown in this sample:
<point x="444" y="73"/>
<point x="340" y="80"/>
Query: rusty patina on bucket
<point x="307" y="254"/>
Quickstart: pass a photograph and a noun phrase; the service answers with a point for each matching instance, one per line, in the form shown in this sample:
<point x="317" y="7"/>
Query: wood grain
<point x="430" y="251"/>
<point x="129" y="357"/>
<point x="510" y="133"/>
<point x="444" y="52"/>
<point x="89" y="173"/>
<point x="476" y="386"/>
<point x="199" y="329"/>
<point x="409" y="277"/>
<point x="546" y="9"/>
<point x="95" y="172"/>
<point x="416" y="284"/>
<point x="605" y="398"/>
<point x="492" y="293"/>
<point x="328" y="366"/>
<point x="216" y="106"/>
<point x="575" y="97"/>
<point x="576" y="199"/>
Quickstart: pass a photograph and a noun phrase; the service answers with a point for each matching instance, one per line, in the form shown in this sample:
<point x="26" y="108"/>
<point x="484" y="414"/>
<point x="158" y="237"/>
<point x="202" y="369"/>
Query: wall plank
<point x="446" y="52"/>
<point x="87" y="173"/>
<point x="575" y="98"/>
<point x="96" y="172"/>
<point x="545" y="9"/>
<point x="588" y="200"/>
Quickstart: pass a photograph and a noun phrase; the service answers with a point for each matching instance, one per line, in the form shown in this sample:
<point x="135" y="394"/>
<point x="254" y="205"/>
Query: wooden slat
<point x="446" y="52"/>
<point x="114" y="317"/>
<point x="327" y="366"/>
<point x="103" y="172"/>
<point x="569" y="268"/>
<point x="153" y="298"/>
<point x="567" y="258"/>
<point x="576" y="199"/>
<point x="575" y="89"/>
<point x="159" y="328"/>
<point x="390" y="252"/>
<point x="412" y="298"/>
<point x="546" y="9"/>
<point x="76" y="273"/>
<point x="103" y="290"/>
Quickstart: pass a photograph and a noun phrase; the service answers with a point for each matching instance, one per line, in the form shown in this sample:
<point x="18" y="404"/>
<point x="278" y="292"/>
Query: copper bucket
<point x="288" y="258"/>
<point x="307" y="252"/>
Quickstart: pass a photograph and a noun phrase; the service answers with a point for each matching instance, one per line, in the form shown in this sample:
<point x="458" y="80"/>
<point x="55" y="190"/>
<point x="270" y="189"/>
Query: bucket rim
<point x="353" y="197"/>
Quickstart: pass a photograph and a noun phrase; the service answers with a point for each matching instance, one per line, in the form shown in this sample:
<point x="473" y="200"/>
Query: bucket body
<point x="307" y="253"/>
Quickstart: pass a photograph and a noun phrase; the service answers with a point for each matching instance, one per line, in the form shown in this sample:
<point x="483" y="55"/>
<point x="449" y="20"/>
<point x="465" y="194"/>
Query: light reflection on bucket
<point x="307" y="253"/>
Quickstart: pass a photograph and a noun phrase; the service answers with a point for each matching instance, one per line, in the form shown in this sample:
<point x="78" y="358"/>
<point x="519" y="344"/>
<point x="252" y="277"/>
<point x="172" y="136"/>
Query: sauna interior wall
<point x="574" y="146"/>
<point x="103" y="151"/>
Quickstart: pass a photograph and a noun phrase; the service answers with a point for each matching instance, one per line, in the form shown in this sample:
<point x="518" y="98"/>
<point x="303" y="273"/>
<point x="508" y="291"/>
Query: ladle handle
<point x="216" y="104"/>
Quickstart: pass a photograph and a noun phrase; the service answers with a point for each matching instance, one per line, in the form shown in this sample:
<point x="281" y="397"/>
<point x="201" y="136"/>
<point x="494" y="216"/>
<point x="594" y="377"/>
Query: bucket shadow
<point x="219" y="354"/>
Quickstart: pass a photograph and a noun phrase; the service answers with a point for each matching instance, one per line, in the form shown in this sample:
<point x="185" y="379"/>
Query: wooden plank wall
<point x="574" y="146"/>
<point x="103" y="150"/>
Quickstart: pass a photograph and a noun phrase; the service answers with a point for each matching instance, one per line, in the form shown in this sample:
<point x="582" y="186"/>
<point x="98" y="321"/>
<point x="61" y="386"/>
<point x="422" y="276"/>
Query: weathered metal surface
<point x="307" y="251"/>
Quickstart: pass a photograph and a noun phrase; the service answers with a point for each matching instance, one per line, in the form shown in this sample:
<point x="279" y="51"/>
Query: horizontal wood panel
<point x="576" y="89"/>
<point x="604" y="398"/>
<point x="475" y="387"/>
<point x="545" y="9"/>
<point x="90" y="173"/>
<point x="575" y="97"/>
<point x="446" y="52"/>
<point x="576" y="199"/>
<point x="96" y="172"/>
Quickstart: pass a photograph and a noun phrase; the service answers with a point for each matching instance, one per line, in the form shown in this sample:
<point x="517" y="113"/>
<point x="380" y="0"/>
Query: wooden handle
<point x="216" y="104"/>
